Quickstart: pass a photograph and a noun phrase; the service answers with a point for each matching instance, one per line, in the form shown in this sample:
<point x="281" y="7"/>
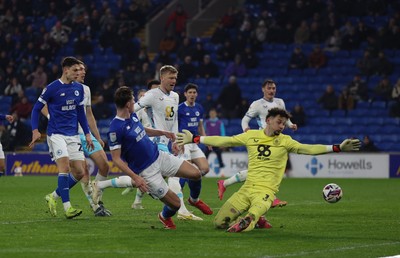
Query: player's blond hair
<point x="168" y="69"/>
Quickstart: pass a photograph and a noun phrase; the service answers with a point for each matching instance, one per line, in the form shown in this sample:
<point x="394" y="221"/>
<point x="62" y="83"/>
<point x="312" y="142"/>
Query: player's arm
<point x="92" y="125"/>
<point x="35" y="122"/>
<point x="45" y="111"/>
<point x="316" y="149"/>
<point x="84" y="124"/>
<point x="200" y="129"/>
<point x="217" y="141"/>
<point x="157" y="132"/>
<point x="245" y="123"/>
<point x="139" y="181"/>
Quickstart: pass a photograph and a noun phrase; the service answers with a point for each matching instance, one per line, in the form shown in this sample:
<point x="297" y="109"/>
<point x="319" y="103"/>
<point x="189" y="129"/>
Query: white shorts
<point x="65" y="146"/>
<point x="166" y="165"/>
<point x="192" y="151"/>
<point x="1" y="152"/>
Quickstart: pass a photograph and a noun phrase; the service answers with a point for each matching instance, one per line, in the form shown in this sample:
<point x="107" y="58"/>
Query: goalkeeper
<point x="267" y="153"/>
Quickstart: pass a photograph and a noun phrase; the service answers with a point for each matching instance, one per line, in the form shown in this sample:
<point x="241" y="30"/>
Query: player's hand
<point x="10" y="118"/>
<point x="170" y="135"/>
<point x="186" y="137"/>
<point x="35" y="136"/>
<point x="350" y="145"/>
<point x="89" y="142"/>
<point x="293" y="127"/>
<point x="141" y="184"/>
<point x="101" y="142"/>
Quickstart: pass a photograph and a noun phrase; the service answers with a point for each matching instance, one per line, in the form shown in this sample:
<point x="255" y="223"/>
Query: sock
<point x="100" y="177"/>
<point x="182" y="182"/>
<point x="118" y="182"/>
<point x="167" y="212"/>
<point x="63" y="189"/>
<point x="71" y="183"/>
<point x="195" y="188"/>
<point x="139" y="196"/>
<point x="173" y="183"/>
<point x="237" y="178"/>
<point x="87" y="189"/>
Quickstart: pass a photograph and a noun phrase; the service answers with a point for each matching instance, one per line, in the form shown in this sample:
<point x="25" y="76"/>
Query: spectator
<point x="22" y="108"/>
<point x="198" y="52"/>
<point x="316" y="34"/>
<point x="179" y="18"/>
<point x="302" y="33"/>
<point x="365" y="64"/>
<point x="298" y="60"/>
<point x="19" y="133"/>
<point x="185" y="49"/>
<point x="209" y="103"/>
<point x="243" y="107"/>
<point x="229" y="99"/>
<point x="298" y="115"/>
<point x="249" y="58"/>
<point x="261" y="31"/>
<point x="382" y="91"/>
<point x="382" y="66"/>
<point x="226" y="52"/>
<point x="219" y="35"/>
<point x="207" y="69"/>
<point x="395" y="107"/>
<point x="358" y="89"/>
<point x="236" y="68"/>
<point x="39" y="77"/>
<point x="334" y="42"/>
<point x="168" y="43"/>
<point x="144" y="75"/>
<point x="187" y="70"/>
<point x="107" y="91"/>
<point x="101" y="110"/>
<point x="214" y="126"/>
<point x="346" y="101"/>
<point x="350" y="41"/>
<point x="83" y="45"/>
<point x="60" y="33"/>
<point x="329" y="99"/>
<point x="317" y="58"/>
<point x="368" y="145"/>
<point x="13" y="89"/>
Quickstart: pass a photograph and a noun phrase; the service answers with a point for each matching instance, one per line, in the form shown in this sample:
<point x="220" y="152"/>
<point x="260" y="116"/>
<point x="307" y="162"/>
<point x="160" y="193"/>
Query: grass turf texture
<point x="365" y="223"/>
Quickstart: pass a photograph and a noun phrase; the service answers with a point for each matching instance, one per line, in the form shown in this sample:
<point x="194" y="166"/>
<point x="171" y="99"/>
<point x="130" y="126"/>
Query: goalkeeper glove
<point x="186" y="137"/>
<point x="347" y="145"/>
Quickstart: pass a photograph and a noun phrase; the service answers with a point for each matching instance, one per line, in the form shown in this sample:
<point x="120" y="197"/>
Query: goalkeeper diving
<point x="268" y="150"/>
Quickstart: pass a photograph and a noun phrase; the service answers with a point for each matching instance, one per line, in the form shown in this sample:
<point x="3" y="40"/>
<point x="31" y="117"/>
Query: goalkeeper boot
<point x="188" y="216"/>
<point x="72" y="213"/>
<point x="51" y="204"/>
<point x="201" y="206"/>
<point x="221" y="189"/>
<point x="168" y="223"/>
<point x="107" y="211"/>
<point x="241" y="225"/>
<point x="278" y="203"/>
<point x="263" y="223"/>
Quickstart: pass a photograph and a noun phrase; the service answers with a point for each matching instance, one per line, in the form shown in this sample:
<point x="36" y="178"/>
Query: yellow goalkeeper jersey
<point x="267" y="155"/>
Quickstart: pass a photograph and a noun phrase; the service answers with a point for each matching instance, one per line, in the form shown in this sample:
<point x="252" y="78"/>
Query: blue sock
<point x="63" y="189"/>
<point x="195" y="188"/>
<point x="168" y="212"/>
<point x="183" y="181"/>
<point x="71" y="182"/>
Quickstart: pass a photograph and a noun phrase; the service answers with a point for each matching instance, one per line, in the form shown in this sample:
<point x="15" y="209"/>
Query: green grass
<point x="365" y="223"/>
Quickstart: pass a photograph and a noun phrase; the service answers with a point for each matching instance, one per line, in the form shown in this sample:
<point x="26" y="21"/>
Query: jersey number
<point x="263" y="150"/>
<point x="169" y="112"/>
<point x="80" y="146"/>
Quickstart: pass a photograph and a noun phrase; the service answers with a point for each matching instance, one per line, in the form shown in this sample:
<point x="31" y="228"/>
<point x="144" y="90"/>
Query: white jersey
<point x="259" y="110"/>
<point x="87" y="102"/>
<point x="162" y="109"/>
<point x="143" y="117"/>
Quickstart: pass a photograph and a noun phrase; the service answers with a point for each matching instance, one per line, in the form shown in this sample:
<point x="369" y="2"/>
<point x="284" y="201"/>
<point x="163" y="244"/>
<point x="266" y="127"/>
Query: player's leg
<point x="137" y="203"/>
<point x="260" y="204"/>
<point x="118" y="182"/>
<point x="198" y="158"/>
<point x="172" y="205"/>
<point x="99" y="158"/>
<point x="230" y="211"/>
<point x="237" y="178"/>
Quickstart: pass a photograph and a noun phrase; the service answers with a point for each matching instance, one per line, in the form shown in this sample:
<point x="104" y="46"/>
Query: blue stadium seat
<point x="41" y="147"/>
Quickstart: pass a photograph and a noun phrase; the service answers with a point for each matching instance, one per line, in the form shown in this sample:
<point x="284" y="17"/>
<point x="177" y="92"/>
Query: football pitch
<point x="365" y="223"/>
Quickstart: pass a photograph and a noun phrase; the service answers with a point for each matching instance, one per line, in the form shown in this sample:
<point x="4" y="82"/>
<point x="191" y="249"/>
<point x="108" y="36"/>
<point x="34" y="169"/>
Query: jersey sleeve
<point x="225" y="141"/>
<point x="114" y="136"/>
<point x="145" y="101"/>
<point x="307" y="149"/>
<point x="88" y="95"/>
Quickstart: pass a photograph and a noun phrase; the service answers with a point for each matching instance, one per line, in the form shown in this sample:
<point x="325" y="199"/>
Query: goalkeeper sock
<point x="237" y="178"/>
<point x="118" y="182"/>
<point x="173" y="183"/>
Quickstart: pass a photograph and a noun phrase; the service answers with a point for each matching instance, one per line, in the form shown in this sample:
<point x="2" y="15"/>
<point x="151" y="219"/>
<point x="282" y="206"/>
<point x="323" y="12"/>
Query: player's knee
<point x="104" y="168"/>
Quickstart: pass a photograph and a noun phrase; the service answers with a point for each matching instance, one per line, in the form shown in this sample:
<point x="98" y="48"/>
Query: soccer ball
<point x="332" y="193"/>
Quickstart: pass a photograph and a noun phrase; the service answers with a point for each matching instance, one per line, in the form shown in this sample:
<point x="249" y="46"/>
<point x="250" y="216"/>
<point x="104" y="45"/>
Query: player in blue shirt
<point x="137" y="156"/>
<point x="10" y="119"/>
<point x="190" y="117"/>
<point x="64" y="99"/>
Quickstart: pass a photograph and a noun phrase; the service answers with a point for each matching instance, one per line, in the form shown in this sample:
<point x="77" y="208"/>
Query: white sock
<point x="139" y="196"/>
<point x="66" y="205"/>
<point x="118" y="182"/>
<point x="237" y="178"/>
<point x="173" y="183"/>
<point x="87" y="189"/>
<point x="55" y="195"/>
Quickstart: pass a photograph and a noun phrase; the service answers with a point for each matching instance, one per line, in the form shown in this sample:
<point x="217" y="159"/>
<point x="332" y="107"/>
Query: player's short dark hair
<point x="273" y="112"/>
<point x="70" y="61"/>
<point x="151" y="83"/>
<point x="122" y="95"/>
<point x="190" y="86"/>
<point x="268" y="81"/>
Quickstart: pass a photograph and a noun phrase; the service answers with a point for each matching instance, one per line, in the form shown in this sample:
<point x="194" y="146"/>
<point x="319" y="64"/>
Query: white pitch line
<point x="331" y="250"/>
